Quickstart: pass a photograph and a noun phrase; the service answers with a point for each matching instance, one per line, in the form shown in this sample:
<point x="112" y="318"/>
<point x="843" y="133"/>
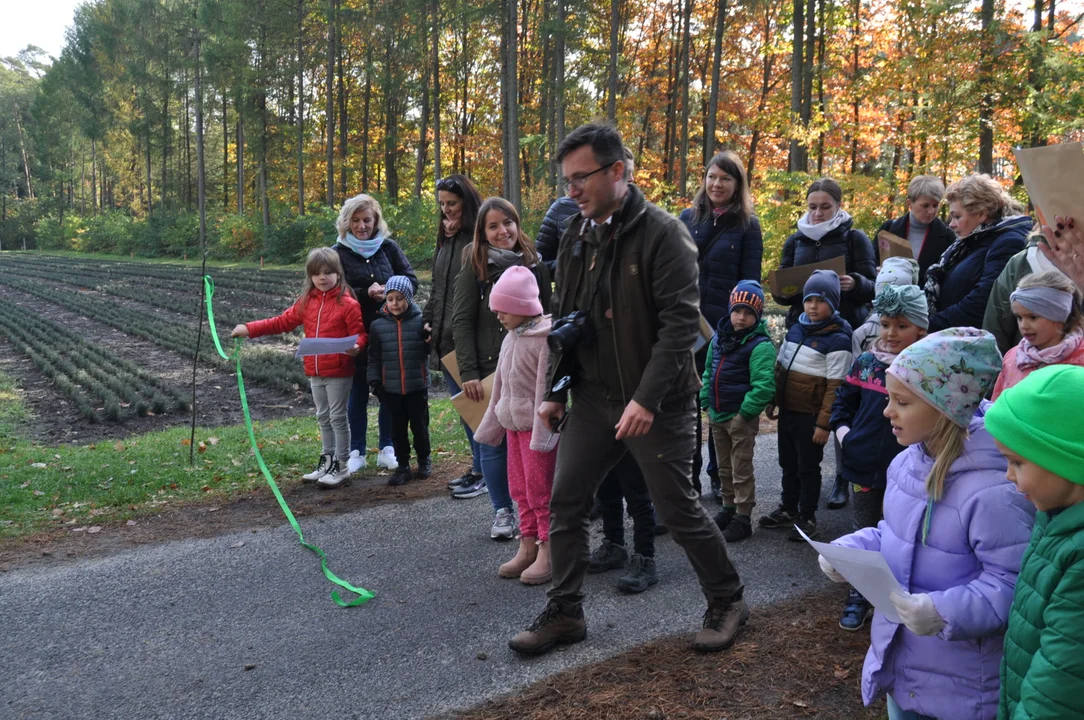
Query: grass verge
<point x="791" y="661"/>
<point x="53" y="488"/>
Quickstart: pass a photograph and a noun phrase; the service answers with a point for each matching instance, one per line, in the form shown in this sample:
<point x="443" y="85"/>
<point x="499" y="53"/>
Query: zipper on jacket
<point x="613" y="327"/>
<point x="402" y="365"/>
<point x="319" y="314"/>
<point x="715" y="379"/>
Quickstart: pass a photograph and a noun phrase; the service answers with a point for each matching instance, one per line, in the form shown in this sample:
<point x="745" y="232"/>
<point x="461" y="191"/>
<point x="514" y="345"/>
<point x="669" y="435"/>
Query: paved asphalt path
<point x="167" y="631"/>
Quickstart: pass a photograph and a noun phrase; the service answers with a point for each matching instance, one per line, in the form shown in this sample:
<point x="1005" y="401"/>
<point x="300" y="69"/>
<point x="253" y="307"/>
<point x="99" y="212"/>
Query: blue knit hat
<point x="400" y="283"/>
<point x="825" y="285"/>
<point x="748" y="294"/>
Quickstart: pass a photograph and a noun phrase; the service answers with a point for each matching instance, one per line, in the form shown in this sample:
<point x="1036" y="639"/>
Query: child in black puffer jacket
<point x="399" y="375"/>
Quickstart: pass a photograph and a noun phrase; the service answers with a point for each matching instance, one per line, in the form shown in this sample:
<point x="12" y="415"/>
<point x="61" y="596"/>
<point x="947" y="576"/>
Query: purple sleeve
<point x="864" y="539"/>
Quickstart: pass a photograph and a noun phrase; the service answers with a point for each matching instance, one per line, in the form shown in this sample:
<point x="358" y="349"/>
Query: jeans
<point x="475" y="453"/>
<point x="495" y="472"/>
<point x="895" y="712"/>
<point x="357" y="409"/>
<point x="626" y="482"/>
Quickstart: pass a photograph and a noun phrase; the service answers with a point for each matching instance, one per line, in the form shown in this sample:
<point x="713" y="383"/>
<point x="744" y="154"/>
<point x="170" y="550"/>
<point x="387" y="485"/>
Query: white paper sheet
<point x="325" y="346"/>
<point x="866" y="570"/>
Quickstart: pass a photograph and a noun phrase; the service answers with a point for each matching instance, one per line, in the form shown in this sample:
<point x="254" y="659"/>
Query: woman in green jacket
<point x="1042" y="671"/>
<point x="499" y="243"/>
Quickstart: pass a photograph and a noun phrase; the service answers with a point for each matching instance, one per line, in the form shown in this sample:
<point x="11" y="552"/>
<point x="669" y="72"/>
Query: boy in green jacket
<point x="1042" y="671"/>
<point x="739" y="382"/>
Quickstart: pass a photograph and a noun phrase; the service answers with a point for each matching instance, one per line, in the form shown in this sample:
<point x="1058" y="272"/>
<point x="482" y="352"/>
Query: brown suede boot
<point x="721" y="624"/>
<point x="539" y="572"/>
<point x="550" y="628"/>
<point x="528" y="551"/>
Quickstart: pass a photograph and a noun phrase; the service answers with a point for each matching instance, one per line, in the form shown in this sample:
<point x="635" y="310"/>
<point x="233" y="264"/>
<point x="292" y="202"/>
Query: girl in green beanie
<point x="1034" y="427"/>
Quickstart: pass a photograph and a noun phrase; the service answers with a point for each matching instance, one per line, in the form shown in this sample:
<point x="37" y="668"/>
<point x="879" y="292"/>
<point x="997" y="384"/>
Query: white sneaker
<point x="336" y="476"/>
<point x="386" y="458"/>
<point x="504" y="525"/>
<point x="356" y="462"/>
<point x="320" y="471"/>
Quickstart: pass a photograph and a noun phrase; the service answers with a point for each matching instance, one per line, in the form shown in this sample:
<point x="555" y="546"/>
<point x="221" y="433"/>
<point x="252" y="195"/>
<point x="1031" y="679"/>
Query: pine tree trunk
<point x="436" y="89"/>
<point x="300" y="107"/>
<point x="329" y="105"/>
<point x="986" y="102"/>
<point x="716" y="72"/>
<point x="795" y="160"/>
<point x="683" y="161"/>
<point x="423" y="130"/>
<point x="344" y="145"/>
<point x="510" y="119"/>
<point x="611" y="81"/>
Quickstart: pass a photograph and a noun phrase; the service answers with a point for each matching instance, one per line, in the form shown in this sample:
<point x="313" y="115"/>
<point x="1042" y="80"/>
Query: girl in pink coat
<point x="519" y="386"/>
<point x="1047" y="310"/>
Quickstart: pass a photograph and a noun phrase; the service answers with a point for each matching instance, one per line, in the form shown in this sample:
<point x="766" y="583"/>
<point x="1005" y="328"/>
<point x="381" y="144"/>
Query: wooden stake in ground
<point x="201" y="194"/>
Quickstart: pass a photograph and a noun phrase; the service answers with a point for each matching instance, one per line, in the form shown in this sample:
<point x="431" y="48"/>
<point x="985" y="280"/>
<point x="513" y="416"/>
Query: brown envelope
<point x="891" y="246"/>
<point x="1054" y="177"/>
<point x="471" y="411"/>
<point x="787" y="282"/>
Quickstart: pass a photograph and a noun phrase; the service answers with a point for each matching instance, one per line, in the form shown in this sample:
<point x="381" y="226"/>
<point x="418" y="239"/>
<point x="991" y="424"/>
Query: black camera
<point x="572" y="331"/>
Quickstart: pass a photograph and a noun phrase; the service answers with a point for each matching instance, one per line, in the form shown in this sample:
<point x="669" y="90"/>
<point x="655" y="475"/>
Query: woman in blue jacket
<point x="729" y="248"/>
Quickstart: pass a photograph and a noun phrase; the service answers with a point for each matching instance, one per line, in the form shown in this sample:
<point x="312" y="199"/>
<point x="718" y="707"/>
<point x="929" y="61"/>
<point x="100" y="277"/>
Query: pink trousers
<point x="530" y="481"/>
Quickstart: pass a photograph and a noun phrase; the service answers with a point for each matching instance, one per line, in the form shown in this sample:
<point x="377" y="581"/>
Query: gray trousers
<point x="330" y="396"/>
<point x="588" y="451"/>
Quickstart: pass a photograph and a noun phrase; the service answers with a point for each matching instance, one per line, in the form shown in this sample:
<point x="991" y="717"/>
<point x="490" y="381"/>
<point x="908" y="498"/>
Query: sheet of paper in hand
<point x="788" y="282"/>
<point x="866" y="571"/>
<point x="325" y="346"/>
<point x="890" y="246"/>
<point x="1054" y="177"/>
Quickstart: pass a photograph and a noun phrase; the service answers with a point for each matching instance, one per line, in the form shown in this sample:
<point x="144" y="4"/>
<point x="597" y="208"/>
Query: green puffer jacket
<point x="999" y="319"/>
<point x="478" y="332"/>
<point x="438" y="309"/>
<point x="1042" y="672"/>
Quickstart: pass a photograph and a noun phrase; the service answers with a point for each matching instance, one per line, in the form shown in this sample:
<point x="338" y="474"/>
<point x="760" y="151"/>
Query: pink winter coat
<point x="1012" y="373"/>
<point x="519" y="387"/>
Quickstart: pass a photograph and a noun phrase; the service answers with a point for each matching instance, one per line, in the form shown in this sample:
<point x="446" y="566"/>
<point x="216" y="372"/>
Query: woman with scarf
<point x="499" y="243"/>
<point x="958" y="286"/>
<point x="826" y="231"/>
<point x="458" y="201"/>
<point x="369" y="257"/>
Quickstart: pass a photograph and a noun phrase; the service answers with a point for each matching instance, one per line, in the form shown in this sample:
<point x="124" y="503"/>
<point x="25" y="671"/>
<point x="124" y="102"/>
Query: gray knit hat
<point x="400" y="283"/>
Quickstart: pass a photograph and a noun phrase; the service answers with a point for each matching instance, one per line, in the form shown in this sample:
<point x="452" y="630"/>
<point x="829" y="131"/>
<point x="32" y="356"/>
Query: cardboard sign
<point x="890" y="246"/>
<point x="450" y="364"/>
<point x="471" y="411"/>
<point x="788" y="282"/>
<point x="1054" y="177"/>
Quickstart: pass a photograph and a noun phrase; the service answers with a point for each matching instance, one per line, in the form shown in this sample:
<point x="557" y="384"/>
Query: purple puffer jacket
<point x="978" y="532"/>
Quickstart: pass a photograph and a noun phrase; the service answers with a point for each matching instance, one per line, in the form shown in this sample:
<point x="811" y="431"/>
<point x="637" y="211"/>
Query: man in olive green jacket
<point x="632" y="269"/>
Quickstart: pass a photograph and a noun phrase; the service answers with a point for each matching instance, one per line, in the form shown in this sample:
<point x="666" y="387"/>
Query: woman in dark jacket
<point x="959" y="285"/>
<point x="369" y="257"/>
<point x="458" y="201"/>
<point x="499" y="243"/>
<point x="920" y="227"/>
<point x="553" y="227"/>
<point x="729" y="247"/>
<point x="826" y="231"/>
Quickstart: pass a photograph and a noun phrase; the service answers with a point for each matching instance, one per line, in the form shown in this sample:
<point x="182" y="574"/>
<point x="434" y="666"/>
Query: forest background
<point x="249" y="121"/>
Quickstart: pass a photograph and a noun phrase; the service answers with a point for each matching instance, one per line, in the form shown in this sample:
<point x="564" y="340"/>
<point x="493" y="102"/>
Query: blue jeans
<point x="475" y="453"/>
<point x="495" y="472"/>
<point x="357" y="411"/>
<point x="895" y="712"/>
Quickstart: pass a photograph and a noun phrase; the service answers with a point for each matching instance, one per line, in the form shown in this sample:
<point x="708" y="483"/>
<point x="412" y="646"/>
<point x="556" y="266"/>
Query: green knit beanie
<point x="1037" y="419"/>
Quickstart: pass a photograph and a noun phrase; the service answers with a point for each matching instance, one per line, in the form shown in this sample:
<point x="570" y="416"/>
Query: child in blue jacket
<point x="865" y="435"/>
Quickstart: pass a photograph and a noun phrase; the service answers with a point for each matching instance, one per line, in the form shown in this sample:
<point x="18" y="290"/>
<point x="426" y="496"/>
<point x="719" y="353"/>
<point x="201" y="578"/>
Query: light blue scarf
<point x="365" y="248"/>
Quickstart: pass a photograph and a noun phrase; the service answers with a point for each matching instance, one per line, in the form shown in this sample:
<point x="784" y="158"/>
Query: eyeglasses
<point x="449" y="185"/>
<point x="577" y="183"/>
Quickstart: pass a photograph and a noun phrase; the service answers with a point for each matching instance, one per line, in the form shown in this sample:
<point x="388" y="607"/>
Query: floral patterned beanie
<point x="952" y="370"/>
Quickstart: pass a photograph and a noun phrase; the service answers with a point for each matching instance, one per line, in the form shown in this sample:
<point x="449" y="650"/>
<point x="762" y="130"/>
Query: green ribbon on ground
<point x="363" y="595"/>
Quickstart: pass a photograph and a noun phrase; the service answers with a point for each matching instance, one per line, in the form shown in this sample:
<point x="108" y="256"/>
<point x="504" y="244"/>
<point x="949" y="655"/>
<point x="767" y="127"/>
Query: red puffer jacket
<point x="326" y="315"/>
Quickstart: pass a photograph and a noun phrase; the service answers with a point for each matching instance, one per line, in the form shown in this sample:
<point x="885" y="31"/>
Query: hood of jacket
<point x="542" y="327"/>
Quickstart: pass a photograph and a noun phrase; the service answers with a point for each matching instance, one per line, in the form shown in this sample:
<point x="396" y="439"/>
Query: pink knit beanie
<point x="516" y="292"/>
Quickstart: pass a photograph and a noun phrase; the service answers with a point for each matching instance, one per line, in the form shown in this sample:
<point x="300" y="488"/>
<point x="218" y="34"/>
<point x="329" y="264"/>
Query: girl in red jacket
<point x="327" y="309"/>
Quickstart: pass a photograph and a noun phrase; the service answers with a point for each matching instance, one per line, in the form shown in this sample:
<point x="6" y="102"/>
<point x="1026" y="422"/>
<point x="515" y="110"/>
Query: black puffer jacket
<point x="553" y="227"/>
<point x="361" y="273"/>
<point x="938" y="238"/>
<point x="843" y="240"/>
<point x="447" y="259"/>
<point x="727" y="251"/>
<point x="398" y="353"/>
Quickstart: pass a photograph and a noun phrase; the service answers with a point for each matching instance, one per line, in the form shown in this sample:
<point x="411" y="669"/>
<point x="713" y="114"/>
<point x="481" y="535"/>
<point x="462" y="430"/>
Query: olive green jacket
<point x="438" y="309"/>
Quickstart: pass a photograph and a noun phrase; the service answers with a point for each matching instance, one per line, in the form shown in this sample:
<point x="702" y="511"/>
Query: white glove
<point x="918" y="612"/>
<point x="830" y="571"/>
<point x="841" y="432"/>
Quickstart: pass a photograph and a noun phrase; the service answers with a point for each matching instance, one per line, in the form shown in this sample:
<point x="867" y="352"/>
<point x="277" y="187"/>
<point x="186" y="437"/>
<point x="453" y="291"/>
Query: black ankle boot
<point x="840" y="495"/>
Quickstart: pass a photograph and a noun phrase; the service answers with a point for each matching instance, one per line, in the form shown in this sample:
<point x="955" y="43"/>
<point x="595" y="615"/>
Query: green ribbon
<point x="363" y="595"/>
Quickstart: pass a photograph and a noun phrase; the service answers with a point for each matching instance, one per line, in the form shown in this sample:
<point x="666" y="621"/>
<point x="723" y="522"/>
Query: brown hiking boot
<point x="721" y="625"/>
<point x="550" y="628"/>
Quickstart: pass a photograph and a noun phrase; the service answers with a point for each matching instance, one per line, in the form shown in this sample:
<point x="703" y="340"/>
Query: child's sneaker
<point x="320" y="471"/>
<point x="474" y="489"/>
<point x="607" y="556"/>
<point x="386" y="458"/>
<point x="778" y="519"/>
<point x="808" y="525"/>
<point x="504" y="525"/>
<point x="356" y="461"/>
<point x="640" y="575"/>
<point x="401" y="476"/>
<point x="335" y="476"/>
<point x="467" y="478"/>
<point x="740" y="528"/>
<point x="425" y="468"/>
<point x="724" y="516"/>
<point x="855" y="611"/>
